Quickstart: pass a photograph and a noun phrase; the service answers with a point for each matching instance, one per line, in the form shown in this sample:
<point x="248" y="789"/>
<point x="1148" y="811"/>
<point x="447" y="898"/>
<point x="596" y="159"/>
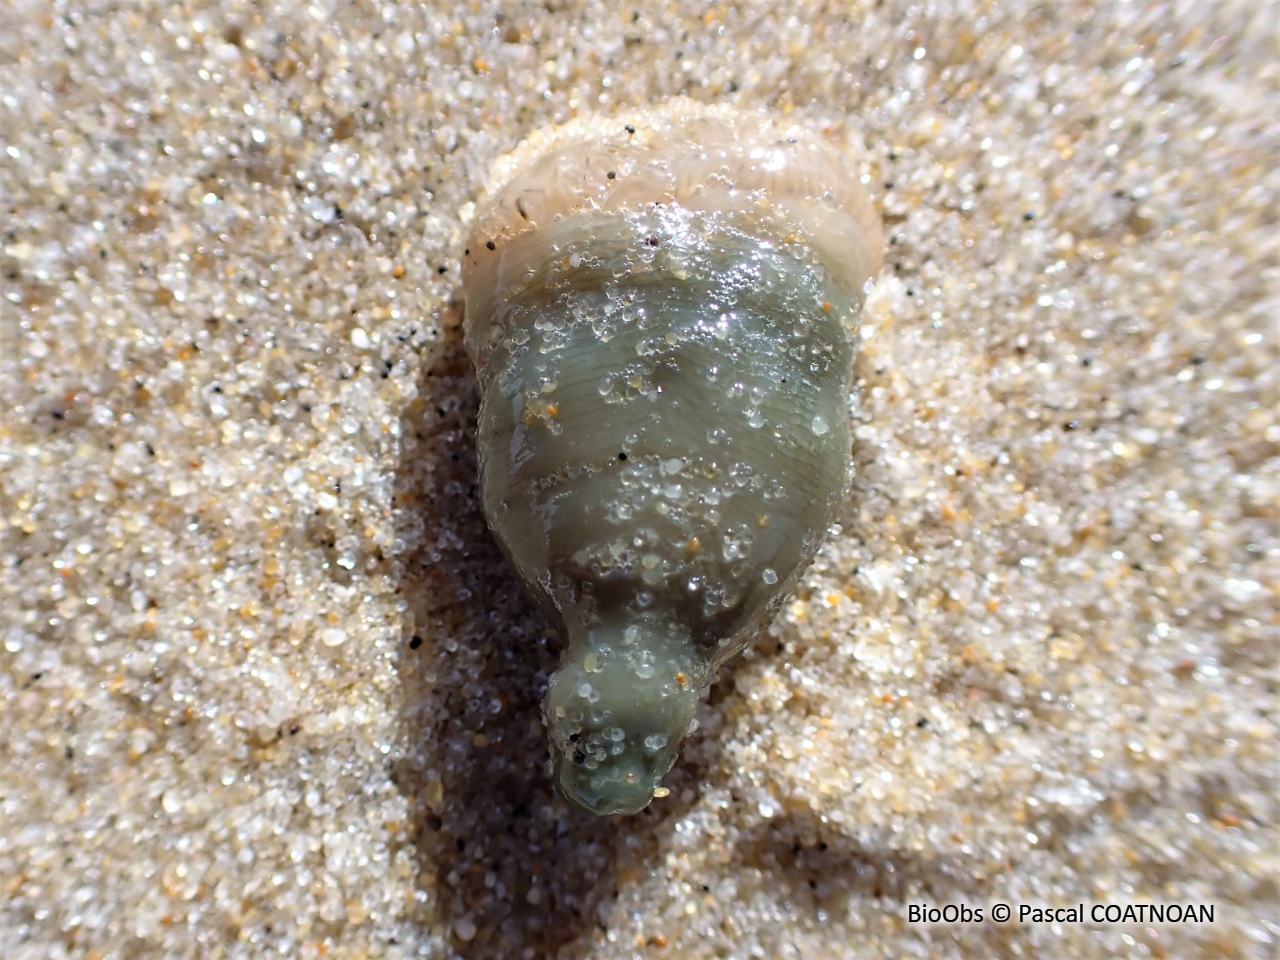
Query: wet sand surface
<point x="269" y="688"/>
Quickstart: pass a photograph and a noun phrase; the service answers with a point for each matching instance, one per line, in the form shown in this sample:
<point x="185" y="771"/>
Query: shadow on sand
<point x="506" y="867"/>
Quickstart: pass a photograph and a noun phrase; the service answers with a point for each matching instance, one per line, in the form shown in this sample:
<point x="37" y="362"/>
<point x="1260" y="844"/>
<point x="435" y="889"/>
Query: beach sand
<point x="270" y="690"/>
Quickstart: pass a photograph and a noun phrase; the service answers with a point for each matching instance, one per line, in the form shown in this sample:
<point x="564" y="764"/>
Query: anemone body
<point x="662" y="311"/>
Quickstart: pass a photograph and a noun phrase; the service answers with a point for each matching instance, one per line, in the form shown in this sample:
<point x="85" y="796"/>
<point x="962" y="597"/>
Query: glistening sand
<point x="1039" y="664"/>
